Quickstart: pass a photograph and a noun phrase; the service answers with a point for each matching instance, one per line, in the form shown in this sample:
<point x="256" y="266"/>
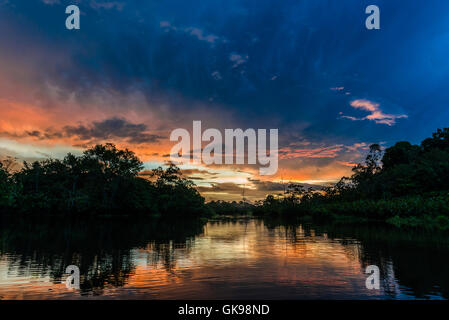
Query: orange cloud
<point x="320" y="152"/>
<point x="376" y="114"/>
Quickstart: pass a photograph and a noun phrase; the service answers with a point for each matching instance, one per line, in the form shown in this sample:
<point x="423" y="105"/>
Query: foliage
<point x="103" y="180"/>
<point x="405" y="185"/>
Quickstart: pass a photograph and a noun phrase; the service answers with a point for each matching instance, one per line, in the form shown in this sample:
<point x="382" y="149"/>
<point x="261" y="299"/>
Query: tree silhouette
<point x="102" y="180"/>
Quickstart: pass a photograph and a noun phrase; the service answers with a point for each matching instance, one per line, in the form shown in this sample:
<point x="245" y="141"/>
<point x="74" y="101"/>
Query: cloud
<point x="318" y="152"/>
<point x="216" y="75"/>
<point x="203" y="173"/>
<point x="108" y="5"/>
<point x="95" y="4"/>
<point x="341" y="90"/>
<point x="350" y="164"/>
<point x="311" y="150"/>
<point x="199" y="34"/>
<point x="192" y="31"/>
<point x="358" y="145"/>
<point x="237" y="59"/>
<point x="269" y="186"/>
<point x="228" y="187"/>
<point x="36" y="134"/>
<point x="264" y="185"/>
<point x="376" y="114"/>
<point x="31" y="152"/>
<point x="97" y="131"/>
<point x="252" y="190"/>
<point x="110" y="129"/>
<point x="50" y="2"/>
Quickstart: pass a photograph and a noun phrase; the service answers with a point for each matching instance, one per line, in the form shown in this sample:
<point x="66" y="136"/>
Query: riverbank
<point x="428" y="211"/>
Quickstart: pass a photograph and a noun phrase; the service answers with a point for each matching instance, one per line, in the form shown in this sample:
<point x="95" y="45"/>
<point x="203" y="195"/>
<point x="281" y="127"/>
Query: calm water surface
<point x="225" y="259"/>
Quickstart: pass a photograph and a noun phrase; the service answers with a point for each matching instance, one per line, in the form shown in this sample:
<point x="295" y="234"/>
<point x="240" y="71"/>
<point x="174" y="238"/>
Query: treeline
<point x="230" y="208"/>
<point x="103" y="180"/>
<point x="405" y="184"/>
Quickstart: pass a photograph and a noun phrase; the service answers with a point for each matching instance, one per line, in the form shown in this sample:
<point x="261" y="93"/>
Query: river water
<point x="238" y="258"/>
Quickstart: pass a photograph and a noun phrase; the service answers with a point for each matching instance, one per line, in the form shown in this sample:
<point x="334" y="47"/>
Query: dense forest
<point x="104" y="180"/>
<point x="404" y="184"/>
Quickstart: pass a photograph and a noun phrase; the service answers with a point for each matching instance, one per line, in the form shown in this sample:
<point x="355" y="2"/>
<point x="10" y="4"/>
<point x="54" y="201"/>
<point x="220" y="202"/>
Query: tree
<point x="6" y="188"/>
<point x="439" y="140"/>
<point x="295" y="190"/>
<point x="171" y="176"/>
<point x="401" y="153"/>
<point x="176" y="194"/>
<point x="364" y="173"/>
<point x="113" y="161"/>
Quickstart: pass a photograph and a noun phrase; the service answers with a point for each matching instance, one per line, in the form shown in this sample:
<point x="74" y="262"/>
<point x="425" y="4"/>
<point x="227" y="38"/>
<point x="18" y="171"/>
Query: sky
<point x="136" y="70"/>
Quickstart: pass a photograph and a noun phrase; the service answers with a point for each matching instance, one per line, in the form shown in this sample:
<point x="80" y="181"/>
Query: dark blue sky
<point x="259" y="58"/>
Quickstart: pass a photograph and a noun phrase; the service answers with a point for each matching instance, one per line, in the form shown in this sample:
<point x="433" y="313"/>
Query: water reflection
<point x="235" y="259"/>
<point x="37" y="251"/>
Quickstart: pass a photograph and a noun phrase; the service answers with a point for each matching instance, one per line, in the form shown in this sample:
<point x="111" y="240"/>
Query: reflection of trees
<point x="417" y="260"/>
<point x="414" y="259"/>
<point x="102" y="249"/>
<point x="166" y="253"/>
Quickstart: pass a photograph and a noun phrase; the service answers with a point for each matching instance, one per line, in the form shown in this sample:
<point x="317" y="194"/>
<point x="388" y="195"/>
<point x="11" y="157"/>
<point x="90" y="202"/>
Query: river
<point x="238" y="258"/>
